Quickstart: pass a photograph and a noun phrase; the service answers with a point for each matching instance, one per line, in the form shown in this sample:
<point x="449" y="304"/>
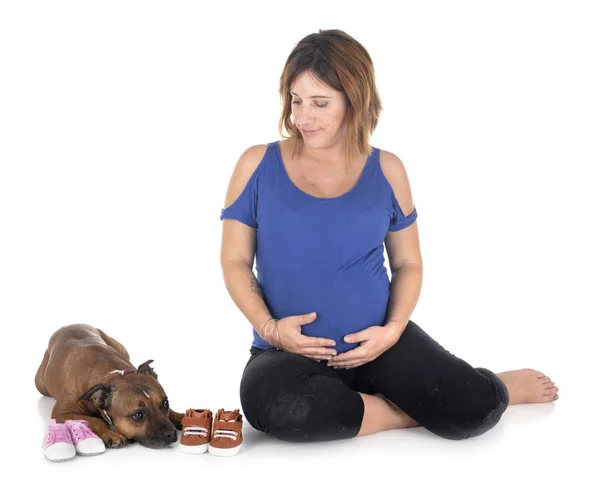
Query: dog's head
<point x="135" y="405"/>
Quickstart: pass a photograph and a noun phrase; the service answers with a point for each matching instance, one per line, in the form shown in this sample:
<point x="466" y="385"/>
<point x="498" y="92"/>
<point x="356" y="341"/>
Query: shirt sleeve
<point x="398" y="220"/>
<point x="244" y="208"/>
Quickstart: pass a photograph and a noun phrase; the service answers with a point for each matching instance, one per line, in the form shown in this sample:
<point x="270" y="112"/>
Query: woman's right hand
<point x="291" y="338"/>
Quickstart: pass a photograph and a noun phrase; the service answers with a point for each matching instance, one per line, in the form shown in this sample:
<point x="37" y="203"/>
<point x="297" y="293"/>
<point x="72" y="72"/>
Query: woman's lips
<point x="306" y="132"/>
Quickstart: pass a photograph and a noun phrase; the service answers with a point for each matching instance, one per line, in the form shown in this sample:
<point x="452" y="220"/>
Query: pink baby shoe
<point x="58" y="445"/>
<point x="85" y="440"/>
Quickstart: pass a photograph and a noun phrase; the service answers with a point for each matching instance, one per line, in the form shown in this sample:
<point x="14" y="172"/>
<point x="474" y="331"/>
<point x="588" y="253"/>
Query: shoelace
<point x="226" y="434"/>
<point x="195" y="430"/>
<point x="76" y="426"/>
<point x="60" y="434"/>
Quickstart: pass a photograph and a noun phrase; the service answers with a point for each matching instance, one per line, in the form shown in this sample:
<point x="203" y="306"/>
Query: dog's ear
<point x="145" y="368"/>
<point x="100" y="396"/>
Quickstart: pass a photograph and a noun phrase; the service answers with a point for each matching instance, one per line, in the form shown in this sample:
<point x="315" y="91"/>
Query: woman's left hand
<point x="374" y="341"/>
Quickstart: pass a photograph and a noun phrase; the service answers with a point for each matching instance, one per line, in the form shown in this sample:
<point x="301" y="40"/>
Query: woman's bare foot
<point x="528" y="386"/>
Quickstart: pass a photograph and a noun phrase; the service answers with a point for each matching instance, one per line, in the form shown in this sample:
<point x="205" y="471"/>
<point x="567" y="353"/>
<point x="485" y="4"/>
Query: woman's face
<point x="317" y="107"/>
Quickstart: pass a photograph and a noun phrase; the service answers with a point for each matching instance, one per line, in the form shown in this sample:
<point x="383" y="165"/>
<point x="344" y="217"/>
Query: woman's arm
<point x="405" y="289"/>
<point x="244" y="289"/>
<point x="403" y="250"/>
<point x="237" y="258"/>
<point x="238" y="247"/>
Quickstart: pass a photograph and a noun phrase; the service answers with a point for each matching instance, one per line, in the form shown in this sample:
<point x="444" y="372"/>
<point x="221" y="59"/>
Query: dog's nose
<point x="170" y="435"/>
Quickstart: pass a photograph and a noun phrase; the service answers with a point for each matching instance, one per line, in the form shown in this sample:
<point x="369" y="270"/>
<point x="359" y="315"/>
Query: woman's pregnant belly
<point x="345" y="302"/>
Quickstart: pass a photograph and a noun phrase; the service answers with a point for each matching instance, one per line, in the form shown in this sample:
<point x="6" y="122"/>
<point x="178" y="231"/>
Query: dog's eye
<point x="138" y="416"/>
<point x="166" y="403"/>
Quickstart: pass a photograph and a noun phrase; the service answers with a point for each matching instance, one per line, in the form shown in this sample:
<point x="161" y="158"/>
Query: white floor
<point x="540" y="440"/>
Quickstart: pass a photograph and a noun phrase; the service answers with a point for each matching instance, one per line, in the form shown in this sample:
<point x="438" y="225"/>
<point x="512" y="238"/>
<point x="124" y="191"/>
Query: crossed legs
<point x="415" y="383"/>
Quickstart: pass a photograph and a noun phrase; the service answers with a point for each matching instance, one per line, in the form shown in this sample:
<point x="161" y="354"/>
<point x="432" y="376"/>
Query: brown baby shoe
<point x="195" y="430"/>
<point x="227" y="433"/>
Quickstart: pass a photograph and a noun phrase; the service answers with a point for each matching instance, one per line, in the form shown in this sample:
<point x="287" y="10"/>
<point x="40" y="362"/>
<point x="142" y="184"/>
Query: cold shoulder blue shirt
<point x="321" y="254"/>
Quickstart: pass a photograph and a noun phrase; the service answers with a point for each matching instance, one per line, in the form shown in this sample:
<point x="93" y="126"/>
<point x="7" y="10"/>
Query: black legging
<point x="297" y="399"/>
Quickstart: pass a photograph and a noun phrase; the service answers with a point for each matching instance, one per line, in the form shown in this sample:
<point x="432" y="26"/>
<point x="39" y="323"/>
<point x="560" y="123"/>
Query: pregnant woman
<point x="335" y="354"/>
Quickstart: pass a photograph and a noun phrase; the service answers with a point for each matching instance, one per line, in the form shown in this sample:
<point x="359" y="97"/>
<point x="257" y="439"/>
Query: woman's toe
<point x="551" y="391"/>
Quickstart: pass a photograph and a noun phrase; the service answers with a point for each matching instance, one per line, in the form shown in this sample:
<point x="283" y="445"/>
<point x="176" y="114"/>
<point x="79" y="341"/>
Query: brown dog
<point x="90" y="376"/>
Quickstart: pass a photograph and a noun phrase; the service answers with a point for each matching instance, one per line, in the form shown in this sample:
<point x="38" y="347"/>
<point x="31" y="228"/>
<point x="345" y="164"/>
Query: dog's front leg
<point x="111" y="438"/>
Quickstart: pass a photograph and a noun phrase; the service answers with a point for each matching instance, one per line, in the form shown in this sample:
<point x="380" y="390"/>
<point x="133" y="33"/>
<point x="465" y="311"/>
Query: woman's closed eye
<point x="319" y="105"/>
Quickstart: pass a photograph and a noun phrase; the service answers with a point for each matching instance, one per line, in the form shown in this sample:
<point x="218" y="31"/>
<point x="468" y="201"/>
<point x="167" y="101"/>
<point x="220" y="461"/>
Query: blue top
<point x="321" y="254"/>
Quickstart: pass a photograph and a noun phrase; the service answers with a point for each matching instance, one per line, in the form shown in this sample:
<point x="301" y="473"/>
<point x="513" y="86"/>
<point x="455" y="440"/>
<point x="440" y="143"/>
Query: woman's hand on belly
<point x="291" y="338"/>
<point x="373" y="340"/>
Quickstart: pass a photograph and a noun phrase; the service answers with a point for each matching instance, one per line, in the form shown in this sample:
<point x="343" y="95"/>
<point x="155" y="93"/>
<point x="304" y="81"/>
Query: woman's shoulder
<point x="252" y="157"/>
<point x="245" y="167"/>
<point x="391" y="164"/>
<point x="395" y="172"/>
<point x="249" y="161"/>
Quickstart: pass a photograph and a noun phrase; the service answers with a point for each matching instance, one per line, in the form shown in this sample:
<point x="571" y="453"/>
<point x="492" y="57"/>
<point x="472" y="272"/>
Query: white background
<point x="121" y="123"/>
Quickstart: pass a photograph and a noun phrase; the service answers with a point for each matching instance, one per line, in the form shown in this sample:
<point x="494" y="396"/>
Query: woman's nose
<point x="303" y="117"/>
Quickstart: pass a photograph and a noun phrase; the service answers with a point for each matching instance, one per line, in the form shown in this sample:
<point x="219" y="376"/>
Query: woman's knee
<point x="267" y="389"/>
<point x="262" y="378"/>
<point x="299" y="405"/>
<point x="478" y="413"/>
<point x="286" y="417"/>
<point x="318" y="408"/>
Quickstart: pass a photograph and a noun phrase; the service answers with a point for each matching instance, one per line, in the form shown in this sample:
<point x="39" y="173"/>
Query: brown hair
<point x="339" y="61"/>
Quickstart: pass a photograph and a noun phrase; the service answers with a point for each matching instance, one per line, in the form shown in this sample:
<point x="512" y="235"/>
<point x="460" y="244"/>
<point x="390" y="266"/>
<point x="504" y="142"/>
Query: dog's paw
<point x="114" y="440"/>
